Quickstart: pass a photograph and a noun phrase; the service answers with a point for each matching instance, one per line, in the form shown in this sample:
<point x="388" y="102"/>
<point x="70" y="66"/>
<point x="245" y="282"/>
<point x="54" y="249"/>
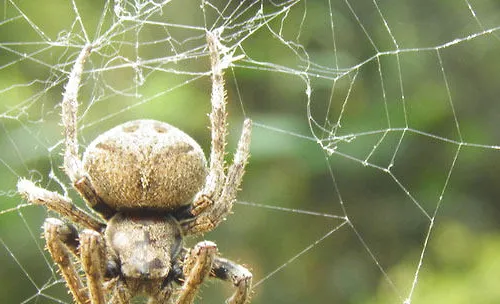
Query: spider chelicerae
<point x="150" y="183"/>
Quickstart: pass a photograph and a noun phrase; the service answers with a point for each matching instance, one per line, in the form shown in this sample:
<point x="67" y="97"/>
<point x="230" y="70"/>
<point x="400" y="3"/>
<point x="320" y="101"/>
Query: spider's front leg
<point x="196" y="267"/>
<point x="121" y="294"/>
<point x="239" y="276"/>
<point x="93" y="259"/>
<point x="62" y="242"/>
<point x="61" y="239"/>
<point x="203" y="261"/>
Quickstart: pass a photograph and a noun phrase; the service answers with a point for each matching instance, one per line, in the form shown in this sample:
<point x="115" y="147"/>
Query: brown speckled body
<point x="150" y="183"/>
<point x="164" y="167"/>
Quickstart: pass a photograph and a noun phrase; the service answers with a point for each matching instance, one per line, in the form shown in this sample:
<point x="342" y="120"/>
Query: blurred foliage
<point x="461" y="260"/>
<point x="461" y="267"/>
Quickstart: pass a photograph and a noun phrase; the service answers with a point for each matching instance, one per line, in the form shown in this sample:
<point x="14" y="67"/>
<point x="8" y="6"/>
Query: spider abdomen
<point x="145" y="164"/>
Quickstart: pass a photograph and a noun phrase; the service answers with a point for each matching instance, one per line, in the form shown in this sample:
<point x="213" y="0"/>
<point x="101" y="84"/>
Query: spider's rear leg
<point x="241" y="278"/>
<point x="61" y="239"/>
<point x="93" y="259"/>
<point x="209" y="210"/>
<point x="85" y="188"/>
<point x="72" y="163"/>
<point x="196" y="267"/>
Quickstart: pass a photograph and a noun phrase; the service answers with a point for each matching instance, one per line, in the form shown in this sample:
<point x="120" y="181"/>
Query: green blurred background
<point x="424" y="73"/>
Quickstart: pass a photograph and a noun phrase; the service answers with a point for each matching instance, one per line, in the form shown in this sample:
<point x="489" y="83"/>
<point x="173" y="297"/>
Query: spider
<point x="150" y="184"/>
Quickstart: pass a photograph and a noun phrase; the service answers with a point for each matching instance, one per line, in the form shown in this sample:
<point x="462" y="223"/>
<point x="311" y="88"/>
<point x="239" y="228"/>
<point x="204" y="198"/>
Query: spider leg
<point x="215" y="201"/>
<point x="60" y="237"/>
<point x="163" y="295"/>
<point x="218" y="124"/>
<point x="121" y="294"/>
<point x="238" y="275"/>
<point x="72" y="163"/>
<point x="93" y="257"/>
<point x="234" y="173"/>
<point x="210" y="211"/>
<point x="57" y="203"/>
<point x="196" y="267"/>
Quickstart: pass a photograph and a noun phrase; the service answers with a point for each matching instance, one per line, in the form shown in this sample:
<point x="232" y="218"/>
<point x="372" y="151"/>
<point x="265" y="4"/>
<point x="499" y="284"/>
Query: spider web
<point x="375" y="152"/>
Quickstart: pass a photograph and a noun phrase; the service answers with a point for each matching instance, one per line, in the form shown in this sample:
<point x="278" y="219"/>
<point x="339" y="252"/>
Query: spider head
<point x="144" y="245"/>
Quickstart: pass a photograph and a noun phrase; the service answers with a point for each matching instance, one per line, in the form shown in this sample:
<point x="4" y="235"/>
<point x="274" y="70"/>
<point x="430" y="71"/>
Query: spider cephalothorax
<point x="145" y="245"/>
<point x="151" y="184"/>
